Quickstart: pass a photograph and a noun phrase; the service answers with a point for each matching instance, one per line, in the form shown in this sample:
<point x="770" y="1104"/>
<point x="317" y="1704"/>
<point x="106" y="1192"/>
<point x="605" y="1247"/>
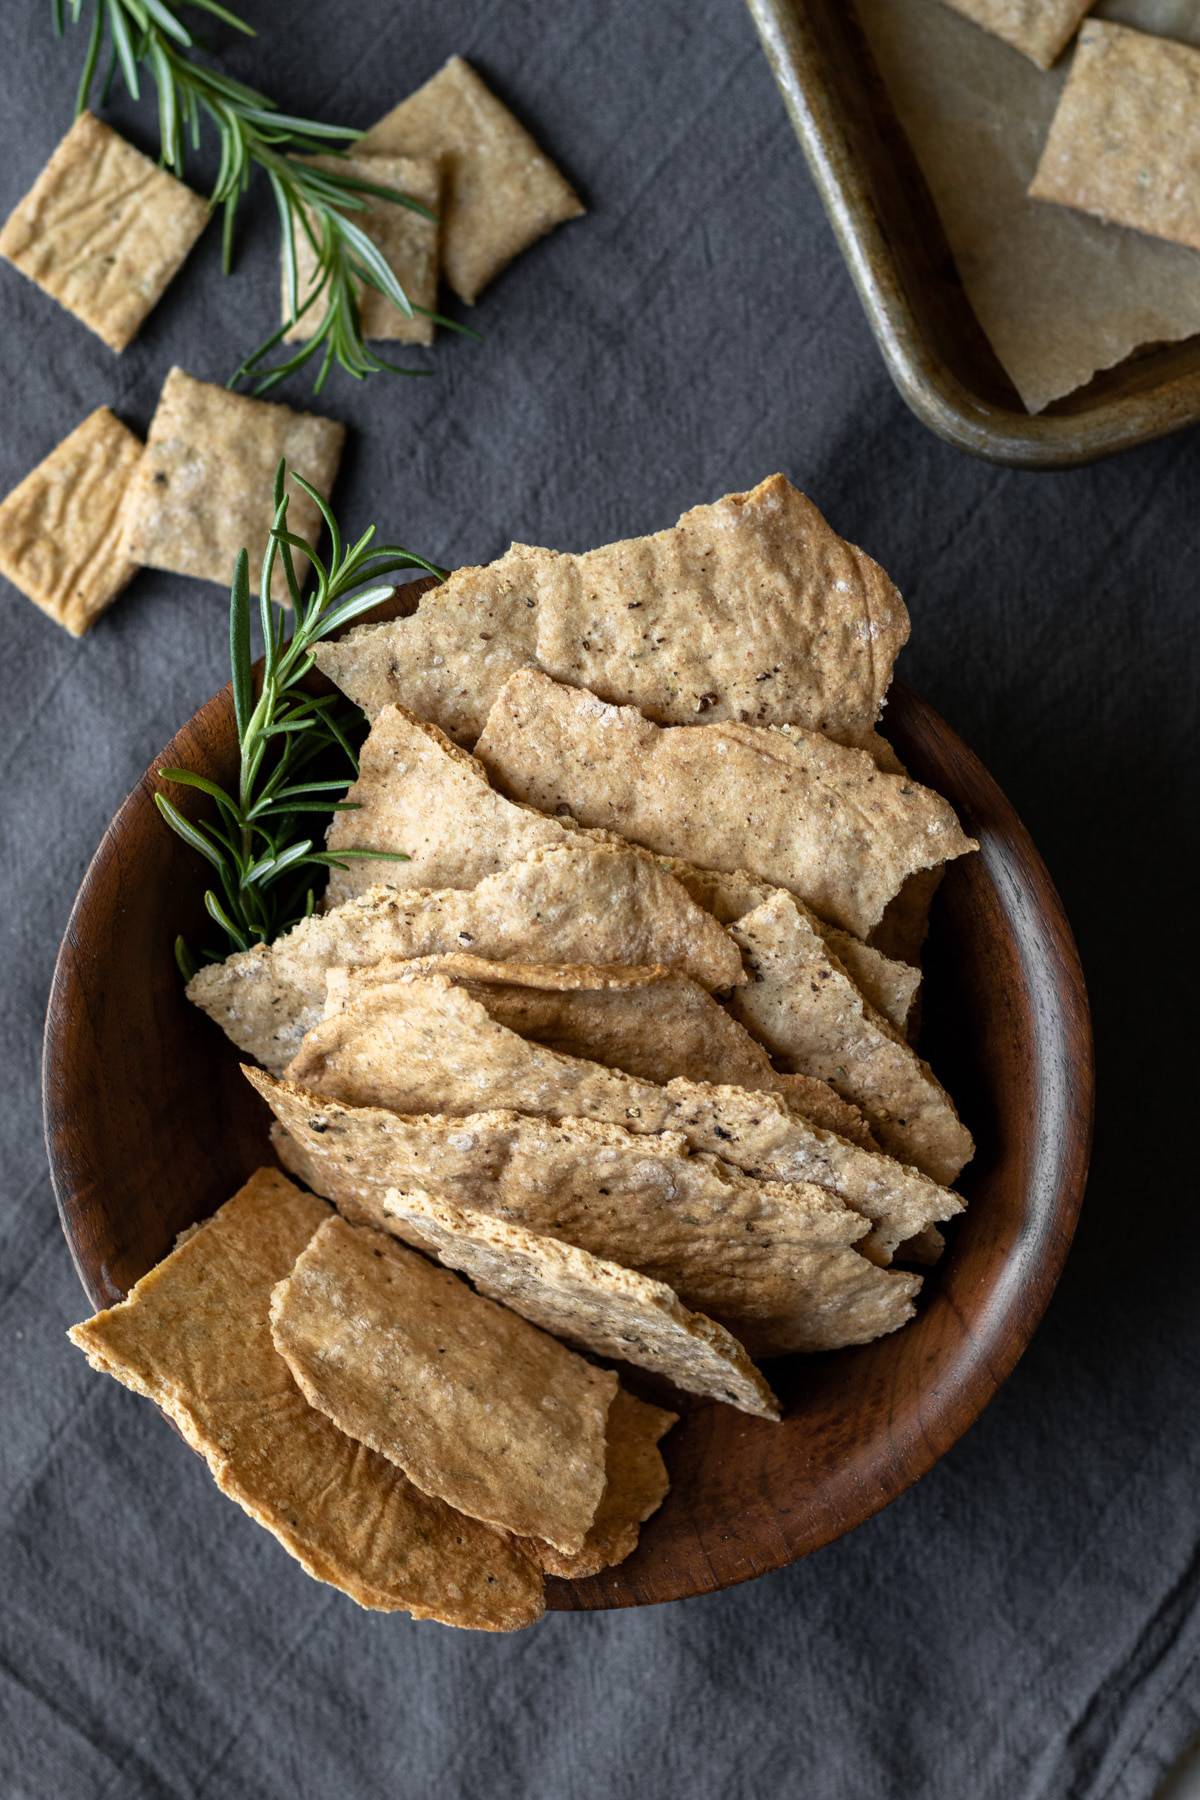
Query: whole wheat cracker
<point x="434" y="1049"/>
<point x="750" y="609"/>
<point x="477" y="1407"/>
<point x="407" y="241"/>
<point x="636" y="1485"/>
<point x="578" y="901"/>
<point x="502" y="193"/>
<point x="777" y="1263"/>
<point x="794" y="808"/>
<point x="1124" y="143"/>
<point x="411" y="1037"/>
<point x="61" y="530"/>
<point x="611" y="1311"/>
<point x="204" y="490"/>
<point x="194" y="1335"/>
<point x="801" y="1003"/>
<point x="103" y="230"/>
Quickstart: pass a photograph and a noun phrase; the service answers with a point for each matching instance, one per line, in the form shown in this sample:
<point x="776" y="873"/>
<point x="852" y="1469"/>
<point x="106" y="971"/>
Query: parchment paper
<point x="1059" y="295"/>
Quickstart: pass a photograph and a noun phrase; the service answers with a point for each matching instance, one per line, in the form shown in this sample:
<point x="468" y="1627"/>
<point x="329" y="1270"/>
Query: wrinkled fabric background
<point x="1024" y="1624"/>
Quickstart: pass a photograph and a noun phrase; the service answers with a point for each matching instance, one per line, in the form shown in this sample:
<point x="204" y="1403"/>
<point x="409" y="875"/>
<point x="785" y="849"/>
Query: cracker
<point x="751" y="609"/>
<point x="636" y="1485"/>
<point x="477" y="1407"/>
<point x="205" y="488"/>
<point x="803" y="1006"/>
<point x="777" y="1263"/>
<point x="408" y="243"/>
<point x="103" y="230"/>
<point x="431" y="1048"/>
<point x="502" y="193"/>
<point x="1125" y="141"/>
<point x="449" y="1047"/>
<point x="1039" y="29"/>
<point x="652" y="1022"/>
<point x="194" y="1335"/>
<point x="569" y="903"/>
<point x="61" y="533"/>
<point x="611" y="1311"/>
<point x="419" y="793"/>
<point x="889" y="985"/>
<point x="789" y="806"/>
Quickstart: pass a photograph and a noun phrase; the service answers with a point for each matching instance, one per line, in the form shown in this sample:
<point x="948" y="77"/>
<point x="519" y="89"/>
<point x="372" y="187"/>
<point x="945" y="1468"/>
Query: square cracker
<point x="103" y="230"/>
<point x="1125" y="141"/>
<point x="1039" y="29"/>
<point x="501" y="192"/>
<point x="609" y="1310"/>
<point x="61" y="530"/>
<point x="408" y="242"/>
<point x="205" y="487"/>
<point x="636" y="1486"/>
<point x="194" y="1335"/>
<point x="476" y="1406"/>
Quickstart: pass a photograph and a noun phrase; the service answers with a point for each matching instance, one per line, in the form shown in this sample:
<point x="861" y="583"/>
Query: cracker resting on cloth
<point x="61" y="532"/>
<point x="611" y="1311"/>
<point x="103" y="230"/>
<point x="636" y="1485"/>
<point x="788" y="805"/>
<point x="502" y="193"/>
<point x="441" y="1053"/>
<point x="574" y="902"/>
<point x="651" y="1022"/>
<point x="476" y="1406"/>
<point x="407" y="242"/>
<point x="1125" y="141"/>
<point x="801" y="1003"/>
<point x="414" y="1022"/>
<point x="195" y="1336"/>
<point x="777" y="1263"/>
<point x="1039" y="29"/>
<point x="750" y="609"/>
<point x="204" y="488"/>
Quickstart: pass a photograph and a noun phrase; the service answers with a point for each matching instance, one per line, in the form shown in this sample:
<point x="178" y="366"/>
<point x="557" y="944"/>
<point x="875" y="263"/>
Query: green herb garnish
<point x="149" y="35"/>
<point x="261" y="842"/>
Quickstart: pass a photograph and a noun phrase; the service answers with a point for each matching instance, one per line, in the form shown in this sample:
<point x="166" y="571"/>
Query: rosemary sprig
<point x="261" y="841"/>
<point x="253" y="133"/>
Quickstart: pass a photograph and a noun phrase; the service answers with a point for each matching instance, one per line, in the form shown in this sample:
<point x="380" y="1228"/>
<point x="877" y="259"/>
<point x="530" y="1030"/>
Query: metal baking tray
<point x="889" y="232"/>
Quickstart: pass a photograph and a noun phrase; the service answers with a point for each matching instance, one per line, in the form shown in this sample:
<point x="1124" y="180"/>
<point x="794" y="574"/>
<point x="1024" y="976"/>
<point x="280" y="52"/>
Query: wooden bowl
<point x="150" y="1126"/>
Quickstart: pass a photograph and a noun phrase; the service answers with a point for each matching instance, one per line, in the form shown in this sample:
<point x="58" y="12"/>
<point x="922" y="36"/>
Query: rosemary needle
<point x="263" y="839"/>
<point x="321" y="203"/>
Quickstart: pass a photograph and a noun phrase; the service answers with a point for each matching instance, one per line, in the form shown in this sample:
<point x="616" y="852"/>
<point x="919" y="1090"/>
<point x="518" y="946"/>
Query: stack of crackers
<point x="621" y="1075"/>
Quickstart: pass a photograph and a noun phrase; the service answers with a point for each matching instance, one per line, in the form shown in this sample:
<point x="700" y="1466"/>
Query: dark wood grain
<point x="889" y="232"/>
<point x="149" y="1127"/>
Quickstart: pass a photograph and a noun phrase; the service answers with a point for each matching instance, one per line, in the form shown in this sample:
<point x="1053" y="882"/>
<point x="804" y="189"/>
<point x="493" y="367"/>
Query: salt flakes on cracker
<point x="103" y="230"/>
<point x="205" y="487"/>
<point x="195" y="1336"/>
<point x="502" y="193"/>
<point x="62" y="539"/>
<point x="477" y="1407"/>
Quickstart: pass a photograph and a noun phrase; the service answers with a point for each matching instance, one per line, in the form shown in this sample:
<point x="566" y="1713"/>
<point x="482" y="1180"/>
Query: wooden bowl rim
<point x="1039" y="1255"/>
